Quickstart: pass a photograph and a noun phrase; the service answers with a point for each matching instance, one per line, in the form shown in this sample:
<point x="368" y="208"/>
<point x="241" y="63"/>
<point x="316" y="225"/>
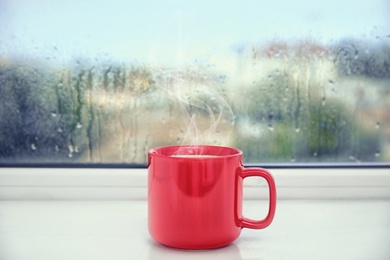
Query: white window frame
<point x="25" y="183"/>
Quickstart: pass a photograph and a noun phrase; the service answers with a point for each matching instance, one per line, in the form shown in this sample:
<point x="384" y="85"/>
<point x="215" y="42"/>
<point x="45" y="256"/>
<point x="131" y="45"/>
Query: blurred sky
<point x="174" y="32"/>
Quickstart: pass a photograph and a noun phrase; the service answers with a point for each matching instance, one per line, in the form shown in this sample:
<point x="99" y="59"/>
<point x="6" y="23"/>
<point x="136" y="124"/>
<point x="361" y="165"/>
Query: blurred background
<point x="284" y="81"/>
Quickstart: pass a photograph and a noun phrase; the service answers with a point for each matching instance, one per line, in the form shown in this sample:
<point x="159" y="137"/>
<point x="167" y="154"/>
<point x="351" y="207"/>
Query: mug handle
<point x="260" y="172"/>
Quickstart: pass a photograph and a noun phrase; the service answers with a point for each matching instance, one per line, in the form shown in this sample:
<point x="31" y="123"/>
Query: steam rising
<point x="203" y="111"/>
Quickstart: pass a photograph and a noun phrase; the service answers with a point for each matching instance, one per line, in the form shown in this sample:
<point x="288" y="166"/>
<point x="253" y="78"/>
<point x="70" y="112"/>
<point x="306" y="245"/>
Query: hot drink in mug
<point x="195" y="196"/>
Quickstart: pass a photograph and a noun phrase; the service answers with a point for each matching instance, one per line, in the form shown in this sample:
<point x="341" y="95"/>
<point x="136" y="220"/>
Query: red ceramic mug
<point x="195" y="196"/>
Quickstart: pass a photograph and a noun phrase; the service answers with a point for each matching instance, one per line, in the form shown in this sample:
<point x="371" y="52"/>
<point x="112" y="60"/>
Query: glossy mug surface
<point x="195" y="196"/>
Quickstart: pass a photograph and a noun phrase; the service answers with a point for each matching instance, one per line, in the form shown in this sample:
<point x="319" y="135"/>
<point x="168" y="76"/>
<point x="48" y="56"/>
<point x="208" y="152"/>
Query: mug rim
<point x="156" y="151"/>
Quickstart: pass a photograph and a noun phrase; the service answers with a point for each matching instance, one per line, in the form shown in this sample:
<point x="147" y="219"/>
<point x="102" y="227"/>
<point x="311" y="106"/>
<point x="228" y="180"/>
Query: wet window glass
<point x="284" y="81"/>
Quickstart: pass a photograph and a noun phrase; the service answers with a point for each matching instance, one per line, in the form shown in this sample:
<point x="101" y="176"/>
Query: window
<point x="284" y="81"/>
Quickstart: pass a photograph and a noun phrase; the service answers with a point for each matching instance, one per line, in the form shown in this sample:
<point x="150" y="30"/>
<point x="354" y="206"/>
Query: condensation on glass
<point x="295" y="98"/>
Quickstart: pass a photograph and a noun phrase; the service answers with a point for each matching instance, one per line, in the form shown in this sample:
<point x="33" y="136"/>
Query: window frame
<point x="122" y="183"/>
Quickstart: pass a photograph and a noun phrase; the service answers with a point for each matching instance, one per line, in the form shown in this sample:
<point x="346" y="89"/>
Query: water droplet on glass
<point x="53" y="114"/>
<point x="79" y="125"/>
<point x="331" y="82"/>
<point x="377" y="125"/>
<point x="315" y="154"/>
<point x="352" y="158"/>
<point x="323" y="103"/>
<point x="297" y="130"/>
<point x="71" y="150"/>
<point x="33" y="147"/>
<point x="271" y="128"/>
<point x="164" y="121"/>
<point x="292" y="159"/>
<point x="377" y="154"/>
<point x="59" y="130"/>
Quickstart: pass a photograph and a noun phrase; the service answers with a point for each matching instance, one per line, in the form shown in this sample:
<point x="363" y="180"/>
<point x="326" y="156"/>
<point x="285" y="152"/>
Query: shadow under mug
<point x="195" y="196"/>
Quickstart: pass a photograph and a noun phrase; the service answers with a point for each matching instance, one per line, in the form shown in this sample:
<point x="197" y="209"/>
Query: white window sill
<point x="131" y="184"/>
<point x="102" y="214"/>
<point x="100" y="230"/>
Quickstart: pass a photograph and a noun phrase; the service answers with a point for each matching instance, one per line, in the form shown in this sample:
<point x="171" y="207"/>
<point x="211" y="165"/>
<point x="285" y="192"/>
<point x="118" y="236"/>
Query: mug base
<point x="195" y="247"/>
